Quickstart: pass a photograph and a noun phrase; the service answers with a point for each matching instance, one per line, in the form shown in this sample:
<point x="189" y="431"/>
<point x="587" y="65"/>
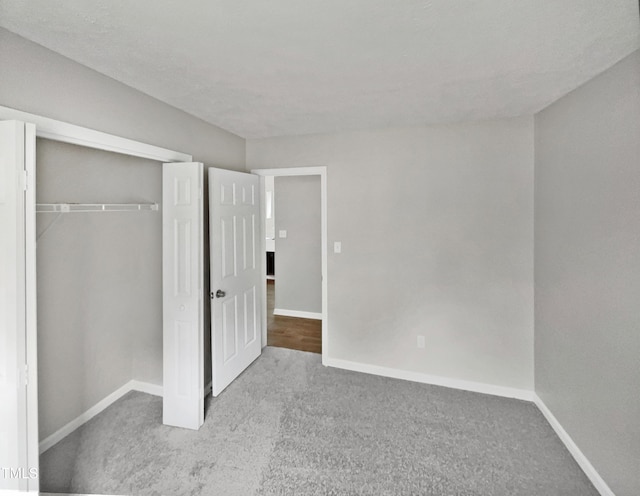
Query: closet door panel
<point x="183" y="320"/>
<point x="18" y="382"/>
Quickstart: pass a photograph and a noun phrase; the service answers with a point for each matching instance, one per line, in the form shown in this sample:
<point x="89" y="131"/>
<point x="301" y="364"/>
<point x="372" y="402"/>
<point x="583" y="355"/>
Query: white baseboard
<point x="146" y="387"/>
<point x="476" y="387"/>
<point x="67" y="429"/>
<point x="577" y="454"/>
<point x="521" y="394"/>
<point x="69" y="494"/>
<point x="297" y="313"/>
<point x="99" y="407"/>
<point x="133" y="385"/>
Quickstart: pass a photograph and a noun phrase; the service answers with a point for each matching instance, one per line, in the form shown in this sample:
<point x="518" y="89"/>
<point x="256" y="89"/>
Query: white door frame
<point x="21" y="371"/>
<point x="33" y="451"/>
<point x="300" y="171"/>
<point x="66" y="133"/>
<point x="83" y="136"/>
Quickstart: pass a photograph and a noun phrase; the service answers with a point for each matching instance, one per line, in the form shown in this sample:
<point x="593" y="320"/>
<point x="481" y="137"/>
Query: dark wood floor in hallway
<point x="291" y="332"/>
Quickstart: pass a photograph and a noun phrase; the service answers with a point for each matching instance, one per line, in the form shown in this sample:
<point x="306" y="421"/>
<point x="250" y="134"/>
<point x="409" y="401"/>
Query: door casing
<point x="20" y="294"/>
<point x="301" y="171"/>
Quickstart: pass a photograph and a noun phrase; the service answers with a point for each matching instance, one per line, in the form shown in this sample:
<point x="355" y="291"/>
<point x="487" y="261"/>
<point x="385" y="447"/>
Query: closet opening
<point x="99" y="299"/>
<point x="100" y="328"/>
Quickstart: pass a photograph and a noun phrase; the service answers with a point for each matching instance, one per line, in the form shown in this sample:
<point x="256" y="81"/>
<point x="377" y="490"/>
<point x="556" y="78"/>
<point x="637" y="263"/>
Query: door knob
<point x="220" y="294"/>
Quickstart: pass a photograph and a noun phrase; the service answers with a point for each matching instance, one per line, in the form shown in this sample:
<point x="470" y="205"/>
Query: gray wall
<point x="37" y="80"/>
<point x="99" y="280"/>
<point x="587" y="269"/>
<point x="299" y="255"/>
<point x="436" y="225"/>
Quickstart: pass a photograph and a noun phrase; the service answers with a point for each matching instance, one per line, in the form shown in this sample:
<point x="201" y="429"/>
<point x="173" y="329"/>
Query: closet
<point x="99" y="279"/>
<point x="81" y="283"/>
<point x="109" y="232"/>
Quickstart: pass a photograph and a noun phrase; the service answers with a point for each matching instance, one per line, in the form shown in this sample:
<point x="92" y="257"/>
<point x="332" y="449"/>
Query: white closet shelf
<point x="94" y="207"/>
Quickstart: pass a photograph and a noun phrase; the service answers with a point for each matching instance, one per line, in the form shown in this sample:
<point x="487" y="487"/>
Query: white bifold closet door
<point x="236" y="276"/>
<point x="183" y="286"/>
<point x="18" y="353"/>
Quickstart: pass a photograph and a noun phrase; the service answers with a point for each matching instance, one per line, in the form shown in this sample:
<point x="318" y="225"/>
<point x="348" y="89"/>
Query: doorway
<point x="294" y="287"/>
<point x="295" y="300"/>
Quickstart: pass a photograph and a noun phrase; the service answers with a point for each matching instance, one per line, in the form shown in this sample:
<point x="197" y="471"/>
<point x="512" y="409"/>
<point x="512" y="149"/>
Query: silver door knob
<point x="220" y="294"/>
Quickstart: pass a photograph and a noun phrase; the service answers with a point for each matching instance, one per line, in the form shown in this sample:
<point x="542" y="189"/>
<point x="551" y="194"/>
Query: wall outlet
<point x="421" y="342"/>
<point x="282" y="233"/>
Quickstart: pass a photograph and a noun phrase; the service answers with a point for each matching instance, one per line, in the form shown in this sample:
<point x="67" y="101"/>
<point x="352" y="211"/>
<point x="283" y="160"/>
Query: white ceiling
<point x="264" y="68"/>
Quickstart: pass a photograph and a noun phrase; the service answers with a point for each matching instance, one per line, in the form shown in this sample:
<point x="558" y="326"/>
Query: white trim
<point x="67" y="429"/>
<point x="31" y="304"/>
<point x="577" y="454"/>
<point x="302" y="171"/>
<point x="133" y="385"/>
<point x="77" y="135"/>
<point x="476" y="387"/>
<point x="297" y="313"/>
<point x="99" y="407"/>
<point x="292" y="171"/>
<point x="263" y="261"/>
<point x="145" y="387"/>
<point x="70" y="494"/>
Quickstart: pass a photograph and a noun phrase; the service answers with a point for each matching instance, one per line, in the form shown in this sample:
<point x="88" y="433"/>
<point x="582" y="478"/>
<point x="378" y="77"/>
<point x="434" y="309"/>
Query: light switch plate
<point x="337" y="247"/>
<point x="282" y="233"/>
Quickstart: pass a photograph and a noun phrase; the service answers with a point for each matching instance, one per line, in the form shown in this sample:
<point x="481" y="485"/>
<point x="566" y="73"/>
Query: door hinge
<point x="25" y="377"/>
<point x="25" y="180"/>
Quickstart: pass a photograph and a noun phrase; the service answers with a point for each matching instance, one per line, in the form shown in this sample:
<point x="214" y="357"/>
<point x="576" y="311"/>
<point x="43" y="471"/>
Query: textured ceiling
<point x="264" y="68"/>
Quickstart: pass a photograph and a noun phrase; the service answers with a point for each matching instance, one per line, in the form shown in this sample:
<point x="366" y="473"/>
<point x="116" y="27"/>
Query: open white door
<point x="18" y="393"/>
<point x="236" y="281"/>
<point x="183" y="283"/>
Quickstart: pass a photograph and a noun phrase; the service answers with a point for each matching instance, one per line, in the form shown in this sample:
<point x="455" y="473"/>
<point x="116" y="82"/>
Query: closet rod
<point x="93" y="207"/>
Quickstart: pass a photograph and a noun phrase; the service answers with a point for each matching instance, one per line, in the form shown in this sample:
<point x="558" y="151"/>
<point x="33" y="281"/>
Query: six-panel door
<point x="234" y="220"/>
<point x="183" y="304"/>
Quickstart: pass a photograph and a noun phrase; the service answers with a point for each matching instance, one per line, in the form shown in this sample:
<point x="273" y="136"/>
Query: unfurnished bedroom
<point x="320" y="248"/>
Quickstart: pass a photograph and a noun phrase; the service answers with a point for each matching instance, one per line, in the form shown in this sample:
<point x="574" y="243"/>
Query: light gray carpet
<point x="289" y="426"/>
